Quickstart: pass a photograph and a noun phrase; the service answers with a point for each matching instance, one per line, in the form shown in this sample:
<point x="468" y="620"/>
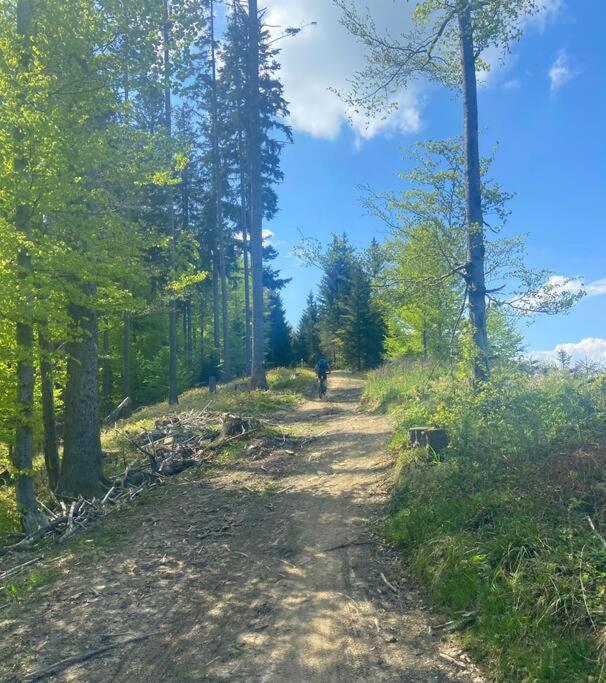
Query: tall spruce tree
<point x="307" y="341"/>
<point x="279" y="349"/>
<point x="361" y="331"/>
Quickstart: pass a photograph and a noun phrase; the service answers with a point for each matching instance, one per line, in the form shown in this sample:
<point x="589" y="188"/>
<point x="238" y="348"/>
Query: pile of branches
<point x="177" y="443"/>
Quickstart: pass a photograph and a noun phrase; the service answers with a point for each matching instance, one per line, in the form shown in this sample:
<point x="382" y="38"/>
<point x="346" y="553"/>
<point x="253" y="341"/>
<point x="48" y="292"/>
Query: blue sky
<point x="546" y="106"/>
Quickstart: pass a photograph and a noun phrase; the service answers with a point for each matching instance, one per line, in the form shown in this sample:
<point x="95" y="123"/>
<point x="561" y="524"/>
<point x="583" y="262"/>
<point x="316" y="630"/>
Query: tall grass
<point x="499" y="531"/>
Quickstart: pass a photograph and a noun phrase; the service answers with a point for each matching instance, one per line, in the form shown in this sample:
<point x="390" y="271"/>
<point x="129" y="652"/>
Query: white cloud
<point x="500" y="62"/>
<point x="546" y="14"/>
<point x="561" y="71"/>
<point x="578" y="285"/>
<point x="268" y="236"/>
<point x="512" y="84"/>
<point x="326" y="56"/>
<point x="590" y="349"/>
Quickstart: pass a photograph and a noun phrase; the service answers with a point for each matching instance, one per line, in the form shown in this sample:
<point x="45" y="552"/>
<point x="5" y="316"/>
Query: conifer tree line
<point x="345" y="322"/>
<point x="140" y="152"/>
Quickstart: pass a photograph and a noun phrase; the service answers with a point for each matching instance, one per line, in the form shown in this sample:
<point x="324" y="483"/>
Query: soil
<point x="262" y="570"/>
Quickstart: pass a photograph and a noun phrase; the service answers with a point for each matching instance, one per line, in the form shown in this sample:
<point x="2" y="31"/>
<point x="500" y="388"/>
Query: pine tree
<point x="279" y="350"/>
<point x="307" y="346"/>
<point x="361" y="331"/>
<point x="337" y="264"/>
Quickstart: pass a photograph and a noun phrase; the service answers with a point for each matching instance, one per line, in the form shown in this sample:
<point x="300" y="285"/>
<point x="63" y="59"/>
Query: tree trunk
<point x="258" y="377"/>
<point x="245" y="257"/>
<point x="226" y="374"/>
<point x="173" y="391"/>
<point x="126" y="356"/>
<point x="216" y="311"/>
<point x="106" y="365"/>
<point x="23" y="453"/>
<point x="219" y="232"/>
<point x="81" y="468"/>
<point x="475" y="273"/>
<point x="189" y="335"/>
<point x="202" y="324"/>
<point x="51" y="448"/>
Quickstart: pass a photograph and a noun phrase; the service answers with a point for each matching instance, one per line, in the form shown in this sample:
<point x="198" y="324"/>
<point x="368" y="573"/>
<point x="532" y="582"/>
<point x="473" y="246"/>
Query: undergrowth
<point x="499" y="528"/>
<point x="287" y="388"/>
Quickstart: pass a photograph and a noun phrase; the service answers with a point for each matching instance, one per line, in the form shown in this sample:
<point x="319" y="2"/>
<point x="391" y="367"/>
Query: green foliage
<point x="423" y="284"/>
<point x="348" y="321"/>
<point x="430" y="48"/>
<point x="498" y="531"/>
<point x="307" y="340"/>
<point x="18" y="589"/>
<point x="279" y="349"/>
<point x="361" y="327"/>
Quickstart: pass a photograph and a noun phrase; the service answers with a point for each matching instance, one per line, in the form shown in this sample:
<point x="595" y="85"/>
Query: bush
<point x="499" y="531"/>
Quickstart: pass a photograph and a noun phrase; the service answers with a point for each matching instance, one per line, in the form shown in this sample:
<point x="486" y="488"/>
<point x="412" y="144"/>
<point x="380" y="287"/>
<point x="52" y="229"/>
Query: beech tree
<point x="446" y="43"/>
<point x="23" y="452"/>
<point x="424" y="284"/>
<point x="105" y="231"/>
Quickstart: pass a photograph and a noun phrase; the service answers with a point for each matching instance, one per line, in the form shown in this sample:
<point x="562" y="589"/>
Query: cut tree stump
<point x="234" y="425"/>
<point x="429" y="437"/>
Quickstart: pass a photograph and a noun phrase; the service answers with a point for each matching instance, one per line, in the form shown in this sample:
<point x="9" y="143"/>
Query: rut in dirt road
<point x="268" y="571"/>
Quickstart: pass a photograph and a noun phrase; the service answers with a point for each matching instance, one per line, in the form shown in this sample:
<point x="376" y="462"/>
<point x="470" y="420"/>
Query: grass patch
<point x="499" y="531"/>
<point x="20" y="588"/>
<point x="288" y="388"/>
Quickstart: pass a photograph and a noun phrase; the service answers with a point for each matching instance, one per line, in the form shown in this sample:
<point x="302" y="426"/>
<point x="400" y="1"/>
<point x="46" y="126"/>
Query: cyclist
<point x="322" y="370"/>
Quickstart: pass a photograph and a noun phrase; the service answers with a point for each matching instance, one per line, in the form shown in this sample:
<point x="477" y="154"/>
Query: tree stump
<point x="429" y="437"/>
<point x="234" y="425"/>
<point x="212" y="385"/>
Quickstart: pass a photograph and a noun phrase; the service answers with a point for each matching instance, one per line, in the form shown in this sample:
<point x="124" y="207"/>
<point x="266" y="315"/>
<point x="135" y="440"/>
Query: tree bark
<point x="107" y="372"/>
<point x="226" y="374"/>
<point x="258" y="376"/>
<point x="475" y="267"/>
<point x="23" y="452"/>
<point x="216" y="311"/>
<point x="173" y="391"/>
<point x="51" y="447"/>
<point x="81" y="468"/>
<point x="219" y="231"/>
<point x="202" y="289"/>
<point x="245" y="257"/>
<point x="189" y="335"/>
<point x="126" y="356"/>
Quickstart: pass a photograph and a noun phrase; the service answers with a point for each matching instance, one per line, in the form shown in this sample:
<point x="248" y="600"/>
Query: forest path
<point x="266" y="571"/>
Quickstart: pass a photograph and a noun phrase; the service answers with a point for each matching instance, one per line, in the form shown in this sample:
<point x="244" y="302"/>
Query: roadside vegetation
<point x="506" y="527"/>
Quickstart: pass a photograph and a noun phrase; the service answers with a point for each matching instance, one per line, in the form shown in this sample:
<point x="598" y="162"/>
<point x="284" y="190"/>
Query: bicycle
<point x="322" y="386"/>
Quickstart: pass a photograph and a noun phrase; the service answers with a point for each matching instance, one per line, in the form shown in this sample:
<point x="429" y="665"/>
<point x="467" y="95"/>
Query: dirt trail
<point x="265" y="572"/>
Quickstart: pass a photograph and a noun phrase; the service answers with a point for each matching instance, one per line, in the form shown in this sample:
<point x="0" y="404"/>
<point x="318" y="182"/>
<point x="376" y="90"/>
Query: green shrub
<point x="499" y="530"/>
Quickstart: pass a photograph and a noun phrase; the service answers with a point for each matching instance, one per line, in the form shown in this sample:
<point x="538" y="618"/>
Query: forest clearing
<point x="302" y="341"/>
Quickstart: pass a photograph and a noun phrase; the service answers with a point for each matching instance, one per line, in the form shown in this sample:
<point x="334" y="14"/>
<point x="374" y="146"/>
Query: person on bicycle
<point x="322" y="368"/>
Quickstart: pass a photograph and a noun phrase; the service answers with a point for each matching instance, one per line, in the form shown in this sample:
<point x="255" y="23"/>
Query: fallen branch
<point x="121" y="411"/>
<point x="390" y="585"/>
<point x="222" y="442"/>
<point x="452" y="660"/>
<point x="85" y="656"/>
<point x="19" y="568"/>
<point x="28" y="540"/>
<point x="347" y="545"/>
